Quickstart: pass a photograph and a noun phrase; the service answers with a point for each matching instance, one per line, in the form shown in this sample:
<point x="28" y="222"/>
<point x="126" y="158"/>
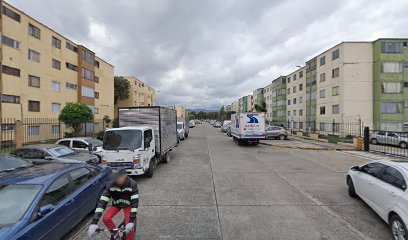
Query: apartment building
<point x="268" y="100"/>
<point x="235" y="106"/>
<point x="390" y="80"/>
<point x="42" y="71"/>
<point x="140" y="95"/>
<point x="295" y="98"/>
<point x="279" y="101"/>
<point x="181" y="112"/>
<point x="258" y="98"/>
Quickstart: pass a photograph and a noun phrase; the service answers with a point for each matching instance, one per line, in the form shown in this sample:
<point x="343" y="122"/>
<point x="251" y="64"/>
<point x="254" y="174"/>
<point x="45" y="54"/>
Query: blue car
<point x="47" y="201"/>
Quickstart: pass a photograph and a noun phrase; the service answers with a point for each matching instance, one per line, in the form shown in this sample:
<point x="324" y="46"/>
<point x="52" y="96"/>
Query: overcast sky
<point x="206" y="53"/>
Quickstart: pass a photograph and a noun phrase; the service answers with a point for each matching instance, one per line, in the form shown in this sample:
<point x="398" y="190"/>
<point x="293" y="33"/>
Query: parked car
<point x="192" y="124"/>
<point x="83" y="144"/>
<point x="9" y="163"/>
<point x="217" y="124"/>
<point x="46" y="153"/>
<point x="382" y="185"/>
<point x="229" y="131"/>
<point x="390" y="138"/>
<point x="275" y="132"/>
<point x="181" y="134"/>
<point x="225" y="126"/>
<point x="47" y="201"/>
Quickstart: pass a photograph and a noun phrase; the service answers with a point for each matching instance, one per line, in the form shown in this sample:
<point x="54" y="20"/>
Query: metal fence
<point x="387" y="142"/>
<point x="341" y="129"/>
<point x="41" y="130"/>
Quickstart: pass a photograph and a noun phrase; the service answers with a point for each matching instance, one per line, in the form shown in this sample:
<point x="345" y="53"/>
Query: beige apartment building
<point x="181" y="112"/>
<point x="42" y="71"/>
<point x="140" y="95"/>
<point x="235" y="106"/>
<point x="296" y="98"/>
<point x="344" y="83"/>
<point x="268" y="100"/>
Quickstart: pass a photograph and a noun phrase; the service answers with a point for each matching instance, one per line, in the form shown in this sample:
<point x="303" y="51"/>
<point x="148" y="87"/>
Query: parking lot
<point x="215" y="189"/>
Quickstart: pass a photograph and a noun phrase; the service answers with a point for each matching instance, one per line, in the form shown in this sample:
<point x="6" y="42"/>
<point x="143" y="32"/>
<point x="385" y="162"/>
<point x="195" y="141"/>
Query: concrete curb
<point x="308" y="148"/>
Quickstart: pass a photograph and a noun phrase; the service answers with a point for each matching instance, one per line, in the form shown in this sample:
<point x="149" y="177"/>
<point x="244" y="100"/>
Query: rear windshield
<point x="12" y="210"/>
<point x="122" y="139"/>
<point x="95" y="142"/>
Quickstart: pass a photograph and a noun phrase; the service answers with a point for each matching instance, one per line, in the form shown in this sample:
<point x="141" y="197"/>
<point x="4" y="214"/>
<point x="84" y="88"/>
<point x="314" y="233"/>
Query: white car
<point x="383" y="186"/>
<point x="81" y="144"/>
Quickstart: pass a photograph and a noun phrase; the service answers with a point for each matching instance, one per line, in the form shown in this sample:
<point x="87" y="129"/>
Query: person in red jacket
<point x="124" y="194"/>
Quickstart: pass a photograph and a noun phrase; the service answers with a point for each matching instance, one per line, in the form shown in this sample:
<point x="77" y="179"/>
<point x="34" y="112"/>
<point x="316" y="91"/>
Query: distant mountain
<point x="202" y="110"/>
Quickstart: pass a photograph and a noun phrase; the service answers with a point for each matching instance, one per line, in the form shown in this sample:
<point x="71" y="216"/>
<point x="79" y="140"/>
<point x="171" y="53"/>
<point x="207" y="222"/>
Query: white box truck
<point x="248" y="127"/>
<point x="146" y="136"/>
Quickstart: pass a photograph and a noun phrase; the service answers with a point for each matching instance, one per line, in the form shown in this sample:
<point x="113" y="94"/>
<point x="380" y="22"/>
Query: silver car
<point x="275" y="132"/>
<point x="390" y="138"/>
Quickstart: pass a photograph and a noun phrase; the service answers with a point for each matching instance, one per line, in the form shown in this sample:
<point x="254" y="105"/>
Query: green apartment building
<point x="311" y="93"/>
<point x="390" y="84"/>
<point x="279" y="101"/>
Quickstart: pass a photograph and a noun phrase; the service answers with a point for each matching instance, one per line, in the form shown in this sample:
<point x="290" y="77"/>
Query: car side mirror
<point x="355" y="168"/>
<point x="44" y="210"/>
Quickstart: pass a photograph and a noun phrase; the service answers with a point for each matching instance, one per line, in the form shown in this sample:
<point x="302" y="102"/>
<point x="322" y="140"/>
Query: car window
<point x="373" y="169"/>
<point x="58" y="190"/>
<point x="80" y="177"/>
<point x="148" y="135"/>
<point x="392" y="135"/>
<point x="79" y="144"/>
<point x="381" y="133"/>
<point x="29" y="153"/>
<point x="394" y="177"/>
<point x="65" y="143"/>
<point x="269" y="129"/>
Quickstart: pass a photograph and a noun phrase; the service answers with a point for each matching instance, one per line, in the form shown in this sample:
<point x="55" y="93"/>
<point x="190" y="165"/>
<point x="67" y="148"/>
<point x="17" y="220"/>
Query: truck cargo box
<point x="248" y="125"/>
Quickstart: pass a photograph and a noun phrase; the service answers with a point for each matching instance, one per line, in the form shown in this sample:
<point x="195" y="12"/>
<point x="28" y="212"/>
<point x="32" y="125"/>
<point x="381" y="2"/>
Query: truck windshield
<point x="122" y="139"/>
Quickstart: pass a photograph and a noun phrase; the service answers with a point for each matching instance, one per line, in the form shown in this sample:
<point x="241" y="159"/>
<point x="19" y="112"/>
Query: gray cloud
<point x="203" y="54"/>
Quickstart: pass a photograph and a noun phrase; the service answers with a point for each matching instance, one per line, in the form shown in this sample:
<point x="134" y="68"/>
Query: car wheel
<point x="397" y="227"/>
<point x="403" y="145"/>
<point x="351" y="190"/>
<point x="166" y="158"/>
<point x="282" y="137"/>
<point x="374" y="141"/>
<point x="152" y="167"/>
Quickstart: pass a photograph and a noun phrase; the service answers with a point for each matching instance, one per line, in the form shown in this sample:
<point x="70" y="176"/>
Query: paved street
<point x="215" y="189"/>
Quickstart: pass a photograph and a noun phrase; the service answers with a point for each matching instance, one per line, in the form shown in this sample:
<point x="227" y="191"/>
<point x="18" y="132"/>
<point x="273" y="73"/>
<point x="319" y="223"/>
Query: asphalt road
<point x="215" y="189"/>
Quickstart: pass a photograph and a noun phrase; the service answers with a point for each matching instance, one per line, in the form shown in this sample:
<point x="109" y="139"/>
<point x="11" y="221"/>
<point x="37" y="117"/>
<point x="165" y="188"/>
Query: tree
<point x="74" y="115"/>
<point x="201" y="115"/>
<point x="121" y="89"/>
<point x="221" y="113"/>
<point x="192" y="115"/>
<point x="228" y="115"/>
<point x="260" y="108"/>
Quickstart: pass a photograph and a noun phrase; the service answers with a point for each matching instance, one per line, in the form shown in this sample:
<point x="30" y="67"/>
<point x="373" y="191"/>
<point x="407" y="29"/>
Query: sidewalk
<point x="307" y="144"/>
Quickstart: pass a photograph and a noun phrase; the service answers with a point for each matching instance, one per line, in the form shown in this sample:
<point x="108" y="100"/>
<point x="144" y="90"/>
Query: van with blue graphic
<point x="248" y="127"/>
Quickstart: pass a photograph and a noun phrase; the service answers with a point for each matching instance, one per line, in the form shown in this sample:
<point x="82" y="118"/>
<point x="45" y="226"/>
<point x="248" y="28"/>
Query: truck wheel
<point x="166" y="158"/>
<point x="186" y="136"/>
<point x="152" y="167"/>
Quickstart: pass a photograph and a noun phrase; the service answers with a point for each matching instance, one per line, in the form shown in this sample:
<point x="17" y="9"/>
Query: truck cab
<point x="181" y="132"/>
<point x="132" y="148"/>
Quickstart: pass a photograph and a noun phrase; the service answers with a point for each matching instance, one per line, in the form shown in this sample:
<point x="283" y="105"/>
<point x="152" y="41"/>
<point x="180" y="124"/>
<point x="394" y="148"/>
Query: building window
<point x="294" y="101"/>
<point x="87" y="74"/>
<point x="34" y="31"/>
<point x="10" y="13"/>
<point x="300" y="112"/>
<point x="391" y="67"/>
<point x="96" y="95"/>
<point x="56" y="64"/>
<point x="10" y="98"/>
<point x="56" y="42"/>
<point x="71" y="66"/>
<point x="33" y="55"/>
<point x="392" y="47"/>
<point x="322" y="110"/>
<point x="322" y="77"/>
<point x="33" y="130"/>
<point x="294" y="89"/>
<point x="322" y="61"/>
<point x="294" y="77"/>
<point x="300" y="74"/>
<point x="8" y="126"/>
<point x="10" y="42"/>
<point x="288" y="91"/>
<point x="322" y="93"/>
<point x="335" y="73"/>
<point x="336" y="109"/>
<point x="288" y="101"/>
<point x="301" y="87"/>
<point x="55" y="129"/>
<point x="88" y="92"/>
<point x="391" y="107"/>
<point x="294" y="112"/>
<point x="11" y="71"/>
<point x="33" y="81"/>
<point x="322" y="126"/>
<point x="96" y="79"/>
<point x="335" y="91"/>
<point x="56" y="107"/>
<point x="335" y="54"/>
<point x="56" y="86"/>
<point x="33" y="106"/>
<point x="96" y="63"/>
<point x="71" y="86"/>
<point x="71" y="47"/>
<point x="88" y="56"/>
<point x="391" y="87"/>
<point x="391" y="126"/>
<point x="288" y="113"/>
<point x="300" y="99"/>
